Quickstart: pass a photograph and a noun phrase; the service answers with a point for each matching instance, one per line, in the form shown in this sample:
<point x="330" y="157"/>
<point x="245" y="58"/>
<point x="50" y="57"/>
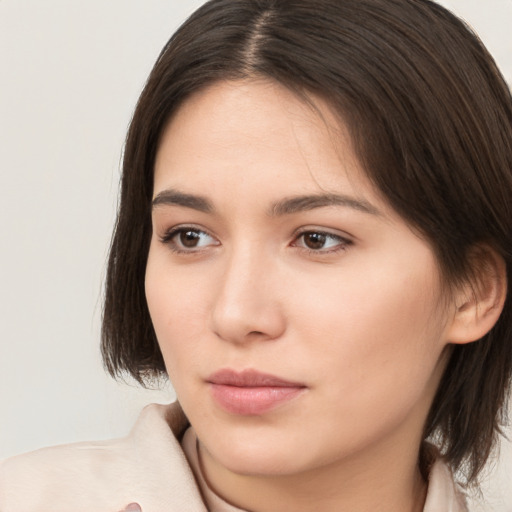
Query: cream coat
<point x="148" y="467"/>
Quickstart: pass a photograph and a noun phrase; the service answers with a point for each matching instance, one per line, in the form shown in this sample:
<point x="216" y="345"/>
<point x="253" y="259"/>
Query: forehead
<point x="255" y="131"/>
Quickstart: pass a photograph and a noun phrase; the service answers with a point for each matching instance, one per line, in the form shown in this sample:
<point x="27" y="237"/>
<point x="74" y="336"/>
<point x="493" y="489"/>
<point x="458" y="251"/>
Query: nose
<point x="247" y="306"/>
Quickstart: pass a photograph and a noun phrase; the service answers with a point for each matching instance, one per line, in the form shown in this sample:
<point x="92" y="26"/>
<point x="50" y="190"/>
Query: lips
<point x="251" y="392"/>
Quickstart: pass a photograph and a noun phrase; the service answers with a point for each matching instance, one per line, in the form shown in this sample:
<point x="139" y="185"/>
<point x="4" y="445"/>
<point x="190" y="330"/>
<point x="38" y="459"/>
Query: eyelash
<point x="342" y="242"/>
<point x="171" y="234"/>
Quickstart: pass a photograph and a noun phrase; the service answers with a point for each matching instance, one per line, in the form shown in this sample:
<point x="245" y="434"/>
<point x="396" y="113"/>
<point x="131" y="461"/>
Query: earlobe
<point x="480" y="303"/>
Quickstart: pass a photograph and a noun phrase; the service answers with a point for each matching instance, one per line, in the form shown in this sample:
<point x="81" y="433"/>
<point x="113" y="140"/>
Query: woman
<point x="314" y="243"/>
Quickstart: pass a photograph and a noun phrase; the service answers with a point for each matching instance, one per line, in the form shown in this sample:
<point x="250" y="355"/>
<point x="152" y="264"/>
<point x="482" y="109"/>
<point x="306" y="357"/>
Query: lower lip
<point x="252" y="401"/>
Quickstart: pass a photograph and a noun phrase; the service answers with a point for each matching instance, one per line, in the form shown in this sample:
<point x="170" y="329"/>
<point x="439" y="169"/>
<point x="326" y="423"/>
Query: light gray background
<point x="70" y="73"/>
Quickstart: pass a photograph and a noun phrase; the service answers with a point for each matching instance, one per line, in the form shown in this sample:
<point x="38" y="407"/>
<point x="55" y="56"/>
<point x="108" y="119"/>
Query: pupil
<point x="189" y="238"/>
<point x="315" y="240"/>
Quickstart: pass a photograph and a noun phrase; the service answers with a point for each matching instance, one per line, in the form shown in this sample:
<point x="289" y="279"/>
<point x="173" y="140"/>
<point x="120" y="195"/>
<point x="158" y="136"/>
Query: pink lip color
<point x="251" y="392"/>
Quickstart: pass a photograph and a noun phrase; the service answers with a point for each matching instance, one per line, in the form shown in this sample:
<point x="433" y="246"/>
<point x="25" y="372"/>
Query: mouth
<point x="251" y="393"/>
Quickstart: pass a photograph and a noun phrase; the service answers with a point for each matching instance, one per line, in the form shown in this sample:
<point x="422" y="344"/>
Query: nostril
<point x="132" y="507"/>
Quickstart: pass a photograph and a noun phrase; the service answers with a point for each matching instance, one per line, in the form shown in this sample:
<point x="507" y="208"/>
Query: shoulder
<point x="28" y="480"/>
<point x="443" y="492"/>
<point x="147" y="467"/>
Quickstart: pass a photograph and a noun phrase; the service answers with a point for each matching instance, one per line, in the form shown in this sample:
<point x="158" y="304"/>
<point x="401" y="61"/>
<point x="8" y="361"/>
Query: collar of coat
<point x="148" y="468"/>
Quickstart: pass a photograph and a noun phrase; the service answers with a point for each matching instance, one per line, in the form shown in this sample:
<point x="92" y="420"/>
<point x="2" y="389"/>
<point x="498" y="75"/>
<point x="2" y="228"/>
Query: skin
<point x="360" y="320"/>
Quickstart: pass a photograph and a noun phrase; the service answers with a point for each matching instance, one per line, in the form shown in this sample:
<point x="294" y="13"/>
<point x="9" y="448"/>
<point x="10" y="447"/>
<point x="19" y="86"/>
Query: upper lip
<point x="250" y="378"/>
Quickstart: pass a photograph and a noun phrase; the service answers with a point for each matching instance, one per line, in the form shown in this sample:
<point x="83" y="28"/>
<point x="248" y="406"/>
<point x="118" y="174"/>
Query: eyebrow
<point x="285" y="206"/>
<point x="310" y="202"/>
<point x="174" y="197"/>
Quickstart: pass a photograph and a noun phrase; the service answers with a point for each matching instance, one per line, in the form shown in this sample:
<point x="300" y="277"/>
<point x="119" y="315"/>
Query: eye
<point x="321" y="242"/>
<point x="188" y="239"/>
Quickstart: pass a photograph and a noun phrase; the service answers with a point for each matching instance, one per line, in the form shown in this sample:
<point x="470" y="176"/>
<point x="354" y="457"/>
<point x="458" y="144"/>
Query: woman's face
<point x="300" y="319"/>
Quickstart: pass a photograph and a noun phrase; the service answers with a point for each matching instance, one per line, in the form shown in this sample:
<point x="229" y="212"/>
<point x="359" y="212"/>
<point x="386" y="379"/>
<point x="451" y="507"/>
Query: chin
<point x="260" y="456"/>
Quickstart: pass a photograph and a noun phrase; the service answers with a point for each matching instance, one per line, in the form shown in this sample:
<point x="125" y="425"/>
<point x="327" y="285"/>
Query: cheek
<point x="177" y="307"/>
<point x="375" y="337"/>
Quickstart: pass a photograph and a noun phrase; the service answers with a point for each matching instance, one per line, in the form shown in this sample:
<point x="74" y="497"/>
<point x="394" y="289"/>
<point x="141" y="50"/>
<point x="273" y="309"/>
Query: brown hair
<point x="431" y="121"/>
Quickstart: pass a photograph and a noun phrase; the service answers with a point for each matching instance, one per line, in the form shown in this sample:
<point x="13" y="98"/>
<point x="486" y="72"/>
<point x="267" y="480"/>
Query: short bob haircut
<point x="430" y="118"/>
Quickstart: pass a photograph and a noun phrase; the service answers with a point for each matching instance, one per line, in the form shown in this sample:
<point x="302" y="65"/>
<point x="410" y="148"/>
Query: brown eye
<point x="321" y="242"/>
<point x="189" y="238"/>
<point x="314" y="241"/>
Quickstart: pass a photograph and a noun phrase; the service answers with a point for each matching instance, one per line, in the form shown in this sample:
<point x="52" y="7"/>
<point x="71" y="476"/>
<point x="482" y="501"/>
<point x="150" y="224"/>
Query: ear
<point x="479" y="303"/>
